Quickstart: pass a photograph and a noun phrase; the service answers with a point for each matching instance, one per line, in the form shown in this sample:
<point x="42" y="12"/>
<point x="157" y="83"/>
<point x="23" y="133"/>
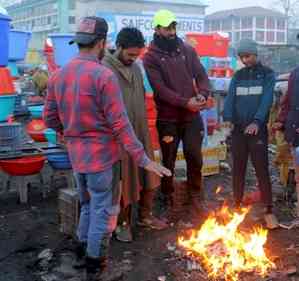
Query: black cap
<point x="89" y="29"/>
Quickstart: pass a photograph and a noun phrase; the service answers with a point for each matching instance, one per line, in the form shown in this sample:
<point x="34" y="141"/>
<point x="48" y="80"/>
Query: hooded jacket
<point x="175" y="78"/>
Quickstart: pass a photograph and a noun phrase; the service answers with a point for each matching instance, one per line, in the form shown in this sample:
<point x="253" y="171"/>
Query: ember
<point x="225" y="251"/>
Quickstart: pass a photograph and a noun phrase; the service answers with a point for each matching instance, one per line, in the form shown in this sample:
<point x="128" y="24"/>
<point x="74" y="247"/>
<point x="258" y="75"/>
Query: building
<point x="266" y="26"/>
<point x="42" y="17"/>
<point x="60" y="16"/>
<point x="139" y="13"/>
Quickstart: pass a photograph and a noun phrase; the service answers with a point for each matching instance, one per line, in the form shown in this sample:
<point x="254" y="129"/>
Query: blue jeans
<point x="99" y="195"/>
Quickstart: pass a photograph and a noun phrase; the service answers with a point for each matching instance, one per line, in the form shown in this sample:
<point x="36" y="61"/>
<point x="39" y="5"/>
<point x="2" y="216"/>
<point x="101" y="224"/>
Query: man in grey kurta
<point x="138" y="185"/>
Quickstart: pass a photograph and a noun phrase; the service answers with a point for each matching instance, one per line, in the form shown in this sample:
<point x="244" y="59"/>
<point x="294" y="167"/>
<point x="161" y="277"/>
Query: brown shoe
<point x="152" y="222"/>
<point x="271" y="221"/>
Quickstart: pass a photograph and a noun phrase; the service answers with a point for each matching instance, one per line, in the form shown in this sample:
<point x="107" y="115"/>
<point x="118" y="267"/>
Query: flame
<point x="219" y="189"/>
<point x="226" y="251"/>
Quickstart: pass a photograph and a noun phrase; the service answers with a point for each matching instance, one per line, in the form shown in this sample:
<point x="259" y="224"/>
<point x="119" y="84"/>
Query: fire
<point x="226" y="251"/>
<point x="219" y="189"/>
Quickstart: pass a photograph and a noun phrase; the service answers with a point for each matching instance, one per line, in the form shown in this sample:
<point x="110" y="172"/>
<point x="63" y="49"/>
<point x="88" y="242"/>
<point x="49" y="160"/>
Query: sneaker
<point x="153" y="223"/>
<point x="123" y="233"/>
<point x="271" y="221"/>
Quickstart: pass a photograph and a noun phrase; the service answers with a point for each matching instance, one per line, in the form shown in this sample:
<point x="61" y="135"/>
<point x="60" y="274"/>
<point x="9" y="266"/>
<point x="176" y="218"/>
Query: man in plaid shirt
<point x="84" y="103"/>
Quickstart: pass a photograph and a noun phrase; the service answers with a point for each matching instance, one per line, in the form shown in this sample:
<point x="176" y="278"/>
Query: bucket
<point x="18" y="46"/>
<point x="63" y="52"/>
<point x="7" y="106"/>
<point x="12" y="66"/>
<point x="6" y="82"/>
<point x="4" y="39"/>
<point x="51" y="136"/>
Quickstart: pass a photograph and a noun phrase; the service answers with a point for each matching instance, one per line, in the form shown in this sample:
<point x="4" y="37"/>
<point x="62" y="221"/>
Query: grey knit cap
<point x="247" y="46"/>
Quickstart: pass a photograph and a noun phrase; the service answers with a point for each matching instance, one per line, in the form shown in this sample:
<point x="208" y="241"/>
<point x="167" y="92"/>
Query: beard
<point x="168" y="44"/>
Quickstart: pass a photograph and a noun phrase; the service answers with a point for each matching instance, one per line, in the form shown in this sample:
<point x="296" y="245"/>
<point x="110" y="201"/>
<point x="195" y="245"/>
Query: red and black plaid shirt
<point x="84" y="102"/>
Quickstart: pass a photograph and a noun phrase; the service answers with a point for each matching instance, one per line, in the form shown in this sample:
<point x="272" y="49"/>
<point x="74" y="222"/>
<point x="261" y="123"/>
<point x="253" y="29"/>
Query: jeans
<point x="99" y="195"/>
<point x="191" y="134"/>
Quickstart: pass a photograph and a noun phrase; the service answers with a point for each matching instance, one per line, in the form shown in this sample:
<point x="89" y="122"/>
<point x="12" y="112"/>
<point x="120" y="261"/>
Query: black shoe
<point x="93" y="269"/>
<point x="80" y="252"/>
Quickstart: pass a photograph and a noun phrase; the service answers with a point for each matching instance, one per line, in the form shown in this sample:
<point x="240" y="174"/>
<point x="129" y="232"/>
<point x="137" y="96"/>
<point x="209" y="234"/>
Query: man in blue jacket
<point x="247" y="108"/>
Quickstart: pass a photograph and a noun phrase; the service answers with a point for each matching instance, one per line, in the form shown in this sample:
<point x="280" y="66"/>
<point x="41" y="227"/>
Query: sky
<point x="216" y="5"/>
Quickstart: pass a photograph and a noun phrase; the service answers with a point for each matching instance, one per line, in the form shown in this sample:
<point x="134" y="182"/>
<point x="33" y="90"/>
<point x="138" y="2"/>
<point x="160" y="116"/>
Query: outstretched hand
<point x="157" y="169"/>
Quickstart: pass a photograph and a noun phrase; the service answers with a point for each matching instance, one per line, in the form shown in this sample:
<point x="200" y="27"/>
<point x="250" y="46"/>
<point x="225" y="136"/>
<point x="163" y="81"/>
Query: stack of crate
<point x="69" y="211"/>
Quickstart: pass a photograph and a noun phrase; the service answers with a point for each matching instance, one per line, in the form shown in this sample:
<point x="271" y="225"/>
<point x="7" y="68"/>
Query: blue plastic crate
<point x="4" y="39"/>
<point x="19" y="41"/>
<point x="63" y="52"/>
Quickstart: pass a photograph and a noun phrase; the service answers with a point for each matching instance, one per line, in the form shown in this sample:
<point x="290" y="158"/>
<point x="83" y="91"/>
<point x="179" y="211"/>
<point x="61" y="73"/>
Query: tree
<point x="290" y="10"/>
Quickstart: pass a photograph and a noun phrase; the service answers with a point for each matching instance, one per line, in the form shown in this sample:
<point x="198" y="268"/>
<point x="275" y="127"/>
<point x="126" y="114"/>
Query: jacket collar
<point x="125" y="70"/>
<point x="88" y="57"/>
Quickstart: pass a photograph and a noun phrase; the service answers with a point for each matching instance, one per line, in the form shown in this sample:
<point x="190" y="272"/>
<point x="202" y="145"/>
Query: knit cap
<point x="247" y="46"/>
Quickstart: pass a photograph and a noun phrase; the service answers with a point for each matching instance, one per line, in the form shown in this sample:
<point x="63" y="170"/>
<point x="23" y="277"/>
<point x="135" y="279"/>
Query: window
<point x="280" y="37"/>
<point x="215" y="25"/>
<point x="270" y="36"/>
<point x="246" y="22"/>
<point x="227" y="24"/>
<point x="54" y="20"/>
<point x="260" y="22"/>
<point x="281" y="24"/>
<point x="237" y="23"/>
<point x="260" y="36"/>
<point x="48" y="20"/>
<point x="237" y="36"/>
<point x="247" y="34"/>
<point x="72" y="20"/>
<point x="72" y="4"/>
<point x="270" y="23"/>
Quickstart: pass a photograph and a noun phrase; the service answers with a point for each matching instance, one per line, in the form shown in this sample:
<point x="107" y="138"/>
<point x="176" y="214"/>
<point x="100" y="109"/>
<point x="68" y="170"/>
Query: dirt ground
<point x="27" y="230"/>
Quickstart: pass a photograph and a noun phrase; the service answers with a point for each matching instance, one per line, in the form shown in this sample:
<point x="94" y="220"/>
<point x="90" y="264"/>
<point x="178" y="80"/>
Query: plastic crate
<point x="10" y="134"/>
<point x="4" y="39"/>
<point x="212" y="45"/>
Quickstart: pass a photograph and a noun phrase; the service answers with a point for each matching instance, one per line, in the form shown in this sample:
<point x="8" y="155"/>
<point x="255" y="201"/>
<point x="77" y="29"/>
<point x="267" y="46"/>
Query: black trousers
<point x="191" y="134"/>
<point x="256" y="147"/>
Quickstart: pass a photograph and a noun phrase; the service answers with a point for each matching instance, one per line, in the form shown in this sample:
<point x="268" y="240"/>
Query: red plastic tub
<point x="24" y="166"/>
<point x="35" y="130"/>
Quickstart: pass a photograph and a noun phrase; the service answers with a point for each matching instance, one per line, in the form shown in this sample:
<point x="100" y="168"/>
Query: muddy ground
<point x="27" y="230"/>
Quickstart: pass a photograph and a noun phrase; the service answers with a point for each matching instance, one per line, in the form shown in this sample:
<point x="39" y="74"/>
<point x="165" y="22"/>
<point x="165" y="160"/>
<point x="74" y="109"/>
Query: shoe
<point x="94" y="268"/>
<point x="80" y="252"/>
<point x="271" y="221"/>
<point x="123" y="233"/>
<point x="152" y="222"/>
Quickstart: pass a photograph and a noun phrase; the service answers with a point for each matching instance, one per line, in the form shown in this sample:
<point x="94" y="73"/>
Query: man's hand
<point x="157" y="169"/>
<point x="252" y="129"/>
<point x="195" y="104"/>
<point x="228" y="127"/>
<point x="277" y="125"/>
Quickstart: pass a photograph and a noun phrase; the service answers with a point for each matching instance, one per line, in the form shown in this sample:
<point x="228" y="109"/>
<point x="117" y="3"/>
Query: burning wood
<point x="225" y="251"/>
